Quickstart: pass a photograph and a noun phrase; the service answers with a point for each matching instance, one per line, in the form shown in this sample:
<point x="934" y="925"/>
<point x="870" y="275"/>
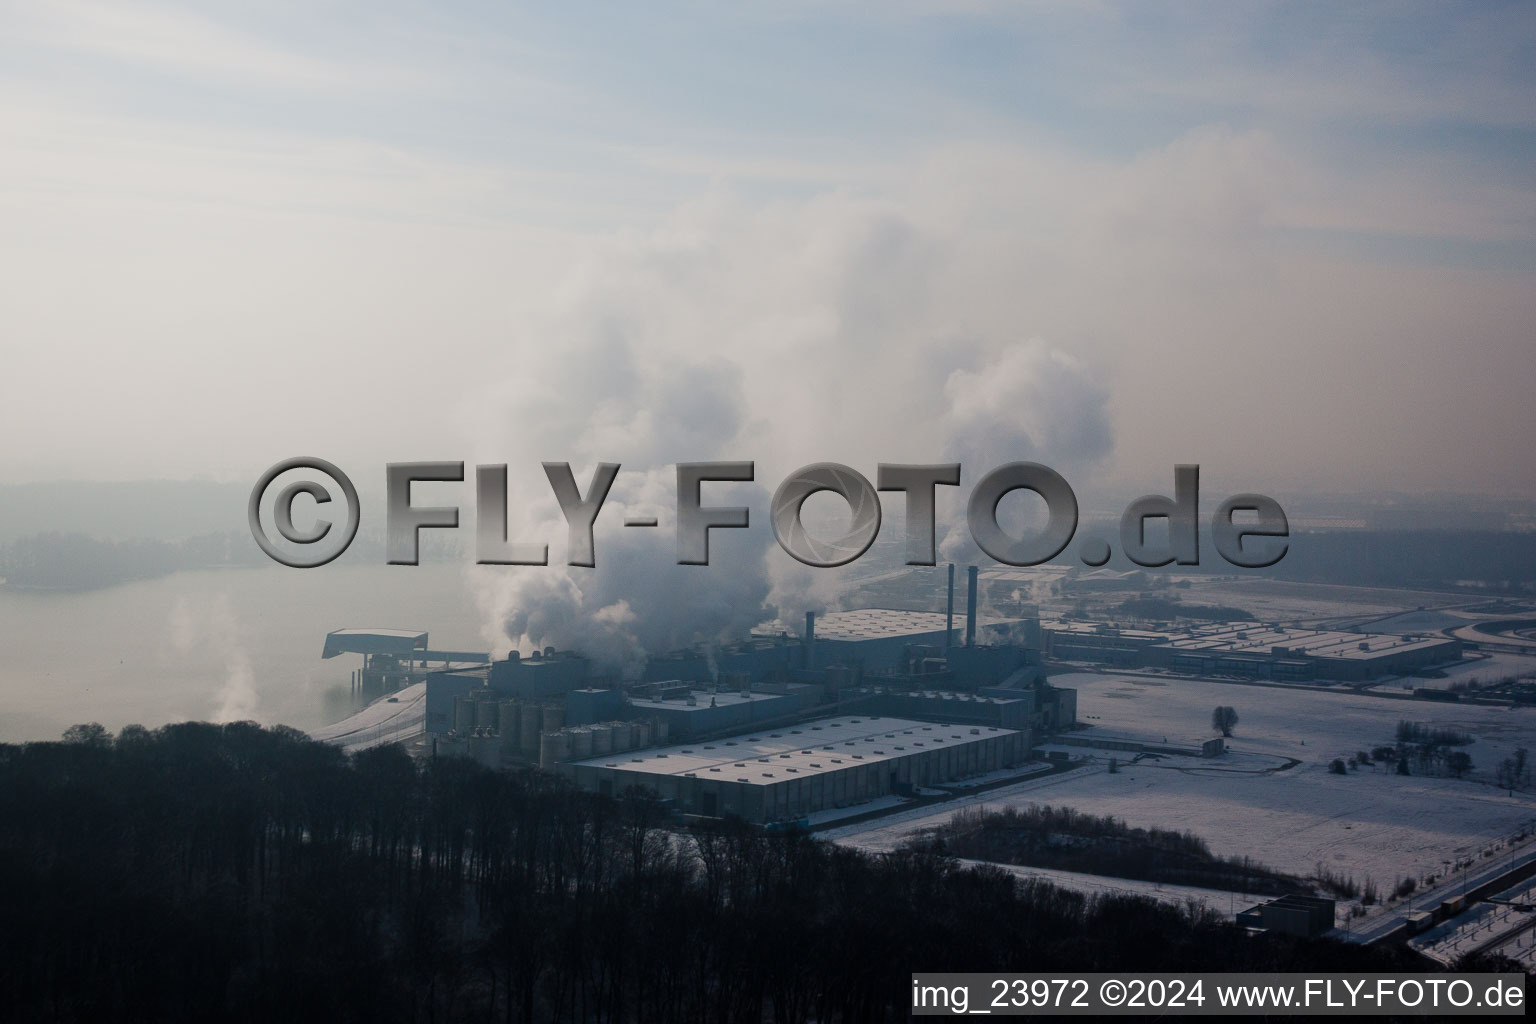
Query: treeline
<point x="203" y="872"/>
<point x="1411" y="558"/>
<point x="1501" y="562"/>
<point x="73" y="561"/>
<point x="1422" y="734"/>
<point x="1164" y="609"/>
<point x="1070" y="840"/>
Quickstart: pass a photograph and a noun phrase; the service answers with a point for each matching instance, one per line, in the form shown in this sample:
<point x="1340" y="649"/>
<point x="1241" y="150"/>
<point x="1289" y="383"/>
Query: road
<point x="1374" y="928"/>
<point x="389" y="719"/>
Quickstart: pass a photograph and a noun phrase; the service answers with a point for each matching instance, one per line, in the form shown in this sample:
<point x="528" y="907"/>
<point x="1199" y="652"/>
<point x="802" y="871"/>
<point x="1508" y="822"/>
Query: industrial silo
<point x="581" y="744"/>
<point x="620" y="733"/>
<point x="554" y="718"/>
<point x="486" y="716"/>
<point x="553" y="747"/>
<point x="510" y="721"/>
<point x="463" y="715"/>
<point x="602" y="739"/>
<point x="528" y="731"/>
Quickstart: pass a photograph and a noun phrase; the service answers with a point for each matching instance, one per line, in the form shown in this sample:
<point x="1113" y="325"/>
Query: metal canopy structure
<point x="373" y="641"/>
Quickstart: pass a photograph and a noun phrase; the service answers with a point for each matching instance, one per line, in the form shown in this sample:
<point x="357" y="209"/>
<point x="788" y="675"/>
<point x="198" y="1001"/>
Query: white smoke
<point x="210" y="630"/>
<point x="823" y="330"/>
<point x="1030" y="402"/>
<point x="637" y="601"/>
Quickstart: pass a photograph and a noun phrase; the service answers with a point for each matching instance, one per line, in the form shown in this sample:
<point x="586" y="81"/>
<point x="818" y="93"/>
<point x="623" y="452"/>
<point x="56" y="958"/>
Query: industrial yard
<point x="1365" y="764"/>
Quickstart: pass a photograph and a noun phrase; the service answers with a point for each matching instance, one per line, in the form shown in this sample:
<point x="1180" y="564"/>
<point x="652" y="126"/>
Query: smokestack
<point x="810" y="639"/>
<point x="970" y="608"/>
<point x="949" y="615"/>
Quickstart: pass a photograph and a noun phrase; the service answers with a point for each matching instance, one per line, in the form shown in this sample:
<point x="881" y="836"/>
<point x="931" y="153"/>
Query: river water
<point x="225" y="644"/>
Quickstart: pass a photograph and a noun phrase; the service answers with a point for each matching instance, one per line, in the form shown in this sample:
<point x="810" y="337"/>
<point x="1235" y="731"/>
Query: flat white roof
<point x="810" y="748"/>
<point x="888" y="623"/>
<point x="1104" y="629"/>
<point x="1255" y="638"/>
<point x="702" y="698"/>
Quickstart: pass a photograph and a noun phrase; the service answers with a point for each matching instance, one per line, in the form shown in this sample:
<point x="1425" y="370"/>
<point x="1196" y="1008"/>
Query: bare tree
<point x="1224" y="719"/>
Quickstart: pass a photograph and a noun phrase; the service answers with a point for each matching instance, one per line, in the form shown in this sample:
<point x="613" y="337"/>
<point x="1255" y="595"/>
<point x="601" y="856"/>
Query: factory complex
<point x="1251" y="650"/>
<point x="865" y="703"/>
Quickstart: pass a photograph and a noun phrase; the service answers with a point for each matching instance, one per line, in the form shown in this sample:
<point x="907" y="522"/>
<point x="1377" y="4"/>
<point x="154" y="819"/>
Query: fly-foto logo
<point x="1256" y="540"/>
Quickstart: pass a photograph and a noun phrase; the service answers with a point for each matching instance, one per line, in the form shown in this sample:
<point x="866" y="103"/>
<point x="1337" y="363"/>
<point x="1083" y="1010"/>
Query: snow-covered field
<point x="1485" y="668"/>
<point x="1219" y="900"/>
<point x="1288" y="601"/>
<point x="1308" y="724"/>
<point x="1370" y="822"/>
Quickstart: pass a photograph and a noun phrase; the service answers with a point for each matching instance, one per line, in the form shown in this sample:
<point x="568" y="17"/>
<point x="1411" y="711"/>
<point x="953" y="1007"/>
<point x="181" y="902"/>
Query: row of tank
<point x="580" y="742"/>
<point x="487" y="728"/>
<point x="518" y="724"/>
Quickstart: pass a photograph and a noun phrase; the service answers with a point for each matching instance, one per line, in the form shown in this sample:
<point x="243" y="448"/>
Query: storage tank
<point x="486" y="716"/>
<point x="463" y="715"/>
<point x="553" y="747"/>
<point x="630" y="733"/>
<point x="528" y="731"/>
<point x="510" y="722"/>
<point x="646" y="732"/>
<point x="581" y="744"/>
<point x="660" y="731"/>
<point x="554" y="718"/>
<point x="602" y="740"/>
<point x="620" y="736"/>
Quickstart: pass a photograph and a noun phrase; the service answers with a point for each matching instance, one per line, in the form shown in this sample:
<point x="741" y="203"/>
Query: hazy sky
<point x="1294" y="243"/>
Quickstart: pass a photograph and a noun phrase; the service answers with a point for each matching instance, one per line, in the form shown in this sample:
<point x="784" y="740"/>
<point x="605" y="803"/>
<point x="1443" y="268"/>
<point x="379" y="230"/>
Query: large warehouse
<point x="1280" y="652"/>
<point x="1252" y="649"/>
<point x="814" y="766"/>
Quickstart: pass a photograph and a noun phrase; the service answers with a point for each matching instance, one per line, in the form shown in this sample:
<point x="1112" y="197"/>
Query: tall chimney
<point x="970" y="608"/>
<point x="810" y="639"/>
<point x="949" y="615"/>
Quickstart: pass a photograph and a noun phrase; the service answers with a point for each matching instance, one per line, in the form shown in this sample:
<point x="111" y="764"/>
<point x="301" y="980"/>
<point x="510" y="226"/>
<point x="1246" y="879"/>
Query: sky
<point x="1293" y="243"/>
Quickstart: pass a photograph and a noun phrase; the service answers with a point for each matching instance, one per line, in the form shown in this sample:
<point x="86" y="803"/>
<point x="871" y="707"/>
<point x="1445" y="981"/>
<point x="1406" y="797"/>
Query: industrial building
<point x="1251" y="649"/>
<point x="549" y="707"/>
<point x="1277" y="652"/>
<point x="1305" y="916"/>
<point x="691" y="712"/>
<point x="394" y="658"/>
<point x="1194" y="746"/>
<point x="1099" y="643"/>
<point x="772" y="656"/>
<point x="545" y="673"/>
<point x="814" y="766"/>
<point x="544" y="677"/>
<point x="878" y="637"/>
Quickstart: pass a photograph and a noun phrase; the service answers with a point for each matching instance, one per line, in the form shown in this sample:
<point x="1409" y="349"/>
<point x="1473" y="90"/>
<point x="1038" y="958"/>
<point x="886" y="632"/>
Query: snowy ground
<point x="1097" y="885"/>
<point x="1485" y="668"/>
<point x="1308" y="724"/>
<point x="1369" y="823"/>
<point x="1285" y="601"/>
<point x="1418" y="622"/>
<point x="387" y="720"/>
